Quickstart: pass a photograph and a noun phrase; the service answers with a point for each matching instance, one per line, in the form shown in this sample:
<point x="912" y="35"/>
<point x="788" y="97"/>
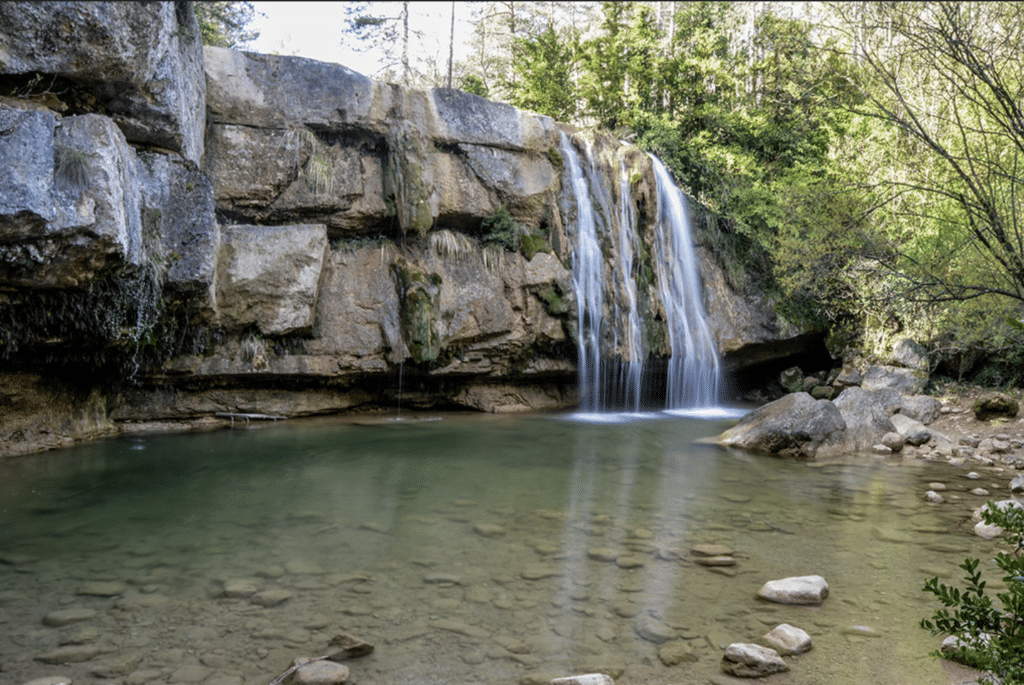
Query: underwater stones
<point x="540" y="572"/>
<point x="653" y="630"/>
<point x="111" y="588"/>
<point x="270" y="598"/>
<point x="51" y="680"/>
<point x="629" y="561"/>
<point x="69" y="654"/>
<point x="715" y="561"/>
<point x="347" y="646"/>
<point x="712" y="550"/>
<point x="809" y="590"/>
<point x="786" y="639"/>
<point x="461" y="628"/>
<point x="303" y="567"/>
<point x="676" y="652"/>
<point x="746" y="660"/>
<point x="240" y="588"/>
<point x="63" y="617"/>
<point x="489" y="530"/>
<point x="603" y="554"/>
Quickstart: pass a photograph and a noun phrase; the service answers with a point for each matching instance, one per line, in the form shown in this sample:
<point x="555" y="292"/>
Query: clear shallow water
<point x="471" y="549"/>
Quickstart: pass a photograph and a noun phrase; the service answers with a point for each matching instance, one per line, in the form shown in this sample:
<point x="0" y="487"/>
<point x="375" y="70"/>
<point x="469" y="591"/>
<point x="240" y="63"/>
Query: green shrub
<point x="501" y="229"/>
<point x="990" y="638"/>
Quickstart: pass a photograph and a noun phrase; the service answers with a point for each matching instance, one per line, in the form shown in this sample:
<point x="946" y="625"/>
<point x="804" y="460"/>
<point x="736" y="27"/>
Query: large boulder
<point x="865" y="417"/>
<point x="905" y="381"/>
<point x="139" y="62"/>
<point x="911" y="355"/>
<point x="795" y="426"/>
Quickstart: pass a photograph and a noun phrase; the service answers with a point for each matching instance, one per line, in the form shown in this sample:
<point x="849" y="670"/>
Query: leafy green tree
<point x="226" y="24"/>
<point x="543" y="71"/>
<point x="942" y="87"/>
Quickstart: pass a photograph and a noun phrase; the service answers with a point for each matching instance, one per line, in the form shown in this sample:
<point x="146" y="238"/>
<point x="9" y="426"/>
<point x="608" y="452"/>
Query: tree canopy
<point x="225" y="24"/>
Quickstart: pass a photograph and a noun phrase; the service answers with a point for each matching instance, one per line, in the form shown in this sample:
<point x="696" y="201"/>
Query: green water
<point x="468" y="549"/>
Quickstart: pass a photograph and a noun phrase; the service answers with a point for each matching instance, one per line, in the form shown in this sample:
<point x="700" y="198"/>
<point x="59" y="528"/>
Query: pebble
<point x="69" y="654"/>
<point x="270" y="598"/>
<point x="934" y="497"/>
<point x="629" y="561"/>
<point x="795" y="590"/>
<point x="982" y="492"/>
<point x="63" y="617"/>
<point x="653" y="630"/>
<point x="602" y="554"/>
<point x="540" y="572"/>
<point x="51" y="680"/>
<point x="321" y="672"/>
<point x="676" y="652"/>
<point x="973" y="475"/>
<point x="747" y="660"/>
<point x="712" y="550"/>
<point x="489" y="530"/>
<point x="103" y="589"/>
<point x="301" y="567"/>
<point x="442" y="579"/>
<point x="240" y="588"/>
<point x="715" y="561"/>
<point x="787" y="639"/>
<point x="461" y="628"/>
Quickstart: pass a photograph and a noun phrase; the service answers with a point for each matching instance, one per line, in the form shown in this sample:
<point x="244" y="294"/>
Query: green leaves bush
<point x="989" y="638"/>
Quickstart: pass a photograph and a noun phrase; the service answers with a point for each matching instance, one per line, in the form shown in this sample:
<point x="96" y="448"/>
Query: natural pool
<point x="467" y="549"/>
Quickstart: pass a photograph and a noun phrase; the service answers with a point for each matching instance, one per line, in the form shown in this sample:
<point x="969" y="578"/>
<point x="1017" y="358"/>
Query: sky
<point x="317" y="30"/>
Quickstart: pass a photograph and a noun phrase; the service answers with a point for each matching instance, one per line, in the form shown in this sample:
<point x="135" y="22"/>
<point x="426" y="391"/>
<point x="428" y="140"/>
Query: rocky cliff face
<point x="284" y="236"/>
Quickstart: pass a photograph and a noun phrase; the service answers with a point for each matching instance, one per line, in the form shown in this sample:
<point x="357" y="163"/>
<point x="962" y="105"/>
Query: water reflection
<point x="469" y="549"/>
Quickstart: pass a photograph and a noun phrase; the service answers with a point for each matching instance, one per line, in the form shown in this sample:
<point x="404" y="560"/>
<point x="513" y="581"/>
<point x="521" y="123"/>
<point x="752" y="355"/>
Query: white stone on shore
<point x="795" y="590"/>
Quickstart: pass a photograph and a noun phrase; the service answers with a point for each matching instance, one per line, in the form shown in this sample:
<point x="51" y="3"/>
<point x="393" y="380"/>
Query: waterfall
<point x="693" y="369"/>
<point x="611" y="345"/>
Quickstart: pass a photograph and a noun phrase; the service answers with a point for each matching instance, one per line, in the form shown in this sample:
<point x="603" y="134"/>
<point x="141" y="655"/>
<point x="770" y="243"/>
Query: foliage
<point x="71" y="166"/>
<point x="939" y="133"/>
<point x="990" y="638"/>
<point x="502" y="230"/>
<point x="226" y="24"/>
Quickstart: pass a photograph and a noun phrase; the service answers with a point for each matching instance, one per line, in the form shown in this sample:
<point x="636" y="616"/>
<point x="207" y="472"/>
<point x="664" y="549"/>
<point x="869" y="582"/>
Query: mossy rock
<point x="554" y="301"/>
<point x="993" y="405"/>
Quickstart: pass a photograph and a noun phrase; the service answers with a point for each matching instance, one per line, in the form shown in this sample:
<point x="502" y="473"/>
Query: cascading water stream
<point x="588" y="282"/>
<point x="693" y="368"/>
<point x="614" y="374"/>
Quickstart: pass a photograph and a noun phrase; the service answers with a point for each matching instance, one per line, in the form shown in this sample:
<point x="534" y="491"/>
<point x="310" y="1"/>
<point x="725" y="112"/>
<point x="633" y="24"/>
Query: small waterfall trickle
<point x="612" y="348"/>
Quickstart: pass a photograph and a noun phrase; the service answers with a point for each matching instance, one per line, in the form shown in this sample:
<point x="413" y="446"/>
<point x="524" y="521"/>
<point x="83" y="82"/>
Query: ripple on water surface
<point x="469" y="549"/>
